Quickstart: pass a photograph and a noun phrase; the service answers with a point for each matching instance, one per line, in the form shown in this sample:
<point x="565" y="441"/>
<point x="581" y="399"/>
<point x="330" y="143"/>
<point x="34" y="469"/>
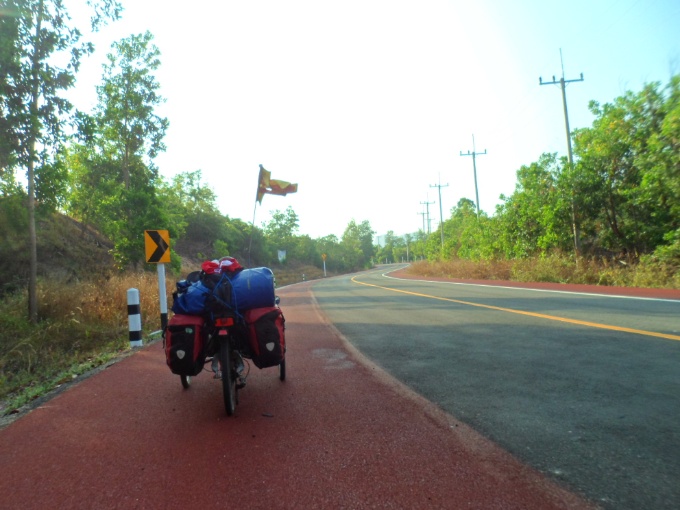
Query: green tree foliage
<point x="394" y="249"/>
<point x="628" y="170"/>
<point x="305" y="251"/>
<point x="330" y="246"/>
<point x="535" y="218"/>
<point x="462" y="215"/>
<point x="33" y="110"/>
<point x="114" y="181"/>
<point x="419" y="246"/>
<point x="479" y="239"/>
<point x="664" y="171"/>
<point x="128" y="129"/>
<point x="10" y="68"/>
<point x="280" y="231"/>
<point x="625" y="187"/>
<point x="357" y="245"/>
<point x="191" y="207"/>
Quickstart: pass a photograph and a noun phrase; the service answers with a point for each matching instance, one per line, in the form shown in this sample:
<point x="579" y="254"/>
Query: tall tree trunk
<point x="34" y="131"/>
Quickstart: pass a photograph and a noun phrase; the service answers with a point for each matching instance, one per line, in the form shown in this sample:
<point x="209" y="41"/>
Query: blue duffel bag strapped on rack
<point x="229" y="286"/>
<point x="253" y="288"/>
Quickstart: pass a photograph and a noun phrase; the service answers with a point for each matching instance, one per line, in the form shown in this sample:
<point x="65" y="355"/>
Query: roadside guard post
<point x="134" y="318"/>
<point x="157" y="246"/>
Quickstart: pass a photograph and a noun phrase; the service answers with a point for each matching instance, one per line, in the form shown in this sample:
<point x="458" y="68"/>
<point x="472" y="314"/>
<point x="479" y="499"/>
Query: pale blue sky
<point x="367" y="103"/>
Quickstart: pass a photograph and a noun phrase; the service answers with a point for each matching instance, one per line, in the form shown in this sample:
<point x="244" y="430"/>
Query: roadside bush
<point x="558" y="268"/>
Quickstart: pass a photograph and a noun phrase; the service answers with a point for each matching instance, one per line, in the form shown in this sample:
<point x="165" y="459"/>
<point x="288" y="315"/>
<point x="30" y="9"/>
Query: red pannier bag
<point x="184" y="344"/>
<point x="266" y="328"/>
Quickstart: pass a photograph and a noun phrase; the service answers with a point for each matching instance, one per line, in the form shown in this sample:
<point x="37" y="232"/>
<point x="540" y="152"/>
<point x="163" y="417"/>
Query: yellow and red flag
<point x="265" y="184"/>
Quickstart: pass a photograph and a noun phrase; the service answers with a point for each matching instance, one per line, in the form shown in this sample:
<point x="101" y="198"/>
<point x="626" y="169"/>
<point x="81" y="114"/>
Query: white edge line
<point x="592" y="294"/>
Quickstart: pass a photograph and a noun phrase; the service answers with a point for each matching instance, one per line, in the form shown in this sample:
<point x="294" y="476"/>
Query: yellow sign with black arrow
<point x="157" y="245"/>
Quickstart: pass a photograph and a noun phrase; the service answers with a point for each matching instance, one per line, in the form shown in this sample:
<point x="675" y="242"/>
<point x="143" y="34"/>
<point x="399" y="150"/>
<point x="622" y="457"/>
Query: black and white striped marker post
<point x="134" y="318"/>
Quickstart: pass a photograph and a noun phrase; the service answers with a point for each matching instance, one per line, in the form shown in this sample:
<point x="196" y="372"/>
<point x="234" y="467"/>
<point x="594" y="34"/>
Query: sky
<point x="368" y="104"/>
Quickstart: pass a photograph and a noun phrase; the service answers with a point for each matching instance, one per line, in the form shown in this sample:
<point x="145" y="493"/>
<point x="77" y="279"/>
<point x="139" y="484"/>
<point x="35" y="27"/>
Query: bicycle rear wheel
<point x="282" y="370"/>
<point x="228" y="380"/>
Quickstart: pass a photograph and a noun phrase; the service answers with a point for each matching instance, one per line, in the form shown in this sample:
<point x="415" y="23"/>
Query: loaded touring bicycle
<point x="225" y="316"/>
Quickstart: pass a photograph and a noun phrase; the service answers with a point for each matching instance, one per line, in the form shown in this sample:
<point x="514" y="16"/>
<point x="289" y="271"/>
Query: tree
<point x="33" y="108"/>
<point x="305" y="250"/>
<point x="129" y="130"/>
<point x="464" y="213"/>
<point x="357" y="245"/>
<point x="10" y="67"/>
<point x="535" y="218"/>
<point x="330" y="246"/>
<point x="280" y="230"/>
<point x="419" y="247"/>
<point x="626" y="170"/>
<point x="121" y="138"/>
<point x="394" y="249"/>
<point x="662" y="174"/>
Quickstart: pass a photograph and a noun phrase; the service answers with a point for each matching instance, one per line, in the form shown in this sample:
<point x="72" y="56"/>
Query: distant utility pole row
<point x="439" y="187"/>
<point x="441" y="214"/>
<point x="563" y="84"/>
<point x="474" y="155"/>
<point x="427" y="206"/>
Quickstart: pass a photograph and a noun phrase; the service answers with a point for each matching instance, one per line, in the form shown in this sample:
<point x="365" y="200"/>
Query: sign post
<point x="323" y="256"/>
<point x="157" y="246"/>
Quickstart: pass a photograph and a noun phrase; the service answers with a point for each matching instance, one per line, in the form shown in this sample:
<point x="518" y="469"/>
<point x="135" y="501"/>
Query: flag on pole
<point x="265" y="184"/>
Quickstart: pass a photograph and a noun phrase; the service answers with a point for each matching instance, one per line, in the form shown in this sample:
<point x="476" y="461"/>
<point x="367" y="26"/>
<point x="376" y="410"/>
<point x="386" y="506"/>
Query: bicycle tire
<point x="228" y="380"/>
<point x="282" y="370"/>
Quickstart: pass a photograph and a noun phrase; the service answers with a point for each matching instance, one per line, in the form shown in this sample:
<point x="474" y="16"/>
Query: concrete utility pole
<point x="427" y="206"/>
<point x="474" y="155"/>
<point x="441" y="214"/>
<point x="563" y="84"/>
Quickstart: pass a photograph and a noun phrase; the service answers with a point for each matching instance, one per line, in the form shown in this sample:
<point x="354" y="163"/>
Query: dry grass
<point x="557" y="269"/>
<point x="81" y="325"/>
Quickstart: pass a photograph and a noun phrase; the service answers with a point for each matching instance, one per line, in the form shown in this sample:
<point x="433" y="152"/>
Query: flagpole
<point x="265" y="184"/>
<point x="252" y="230"/>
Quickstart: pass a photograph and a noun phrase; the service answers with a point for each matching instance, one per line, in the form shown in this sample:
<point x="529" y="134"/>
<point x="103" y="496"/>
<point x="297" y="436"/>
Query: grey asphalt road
<point x="585" y="388"/>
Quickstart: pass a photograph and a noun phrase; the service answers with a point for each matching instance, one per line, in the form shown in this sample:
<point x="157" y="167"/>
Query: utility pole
<point x="427" y="205"/>
<point x="474" y="155"/>
<point x="563" y="84"/>
<point x="441" y="214"/>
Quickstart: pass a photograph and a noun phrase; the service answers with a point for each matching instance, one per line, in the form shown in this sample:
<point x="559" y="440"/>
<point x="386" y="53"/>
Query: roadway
<point x="583" y="387"/>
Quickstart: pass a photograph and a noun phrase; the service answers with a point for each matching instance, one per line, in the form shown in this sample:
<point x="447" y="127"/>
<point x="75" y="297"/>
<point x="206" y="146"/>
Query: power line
<point x="474" y="155"/>
<point x="563" y="84"/>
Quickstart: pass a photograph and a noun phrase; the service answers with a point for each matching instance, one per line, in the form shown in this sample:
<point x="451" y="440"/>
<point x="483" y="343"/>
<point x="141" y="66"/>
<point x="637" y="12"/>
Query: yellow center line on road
<point x="530" y="314"/>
